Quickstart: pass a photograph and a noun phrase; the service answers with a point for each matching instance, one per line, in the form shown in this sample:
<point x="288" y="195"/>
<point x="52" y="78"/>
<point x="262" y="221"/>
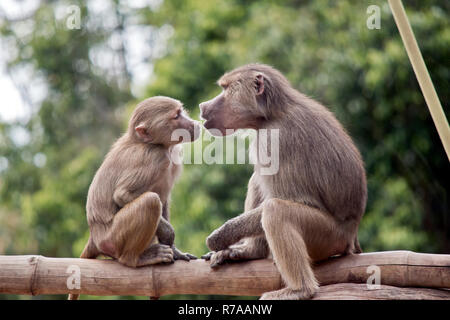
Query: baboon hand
<point x="208" y="255"/>
<point x="178" y="255"/>
<point x="165" y="232"/>
<point x="218" y="258"/>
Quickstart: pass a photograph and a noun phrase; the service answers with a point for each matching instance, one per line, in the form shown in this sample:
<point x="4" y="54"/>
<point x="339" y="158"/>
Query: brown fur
<point x="128" y="200"/>
<point x="311" y="208"/>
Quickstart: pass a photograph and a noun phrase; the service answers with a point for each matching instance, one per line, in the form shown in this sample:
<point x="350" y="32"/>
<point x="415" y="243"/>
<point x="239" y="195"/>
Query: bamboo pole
<point x="35" y="275"/>
<point x="422" y="75"/>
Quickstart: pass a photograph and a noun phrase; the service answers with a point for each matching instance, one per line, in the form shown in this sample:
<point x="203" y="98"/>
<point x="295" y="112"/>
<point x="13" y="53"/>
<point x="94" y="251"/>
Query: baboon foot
<point x="288" y="294"/>
<point x="156" y="253"/>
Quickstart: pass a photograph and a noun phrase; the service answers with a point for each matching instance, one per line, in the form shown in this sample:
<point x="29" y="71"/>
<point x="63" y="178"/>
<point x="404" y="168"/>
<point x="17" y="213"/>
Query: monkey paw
<point x="288" y="294"/>
<point x="208" y="256"/>
<point x="156" y="253"/>
<point x="219" y="258"/>
<point x="232" y="253"/>
<point x="178" y="255"/>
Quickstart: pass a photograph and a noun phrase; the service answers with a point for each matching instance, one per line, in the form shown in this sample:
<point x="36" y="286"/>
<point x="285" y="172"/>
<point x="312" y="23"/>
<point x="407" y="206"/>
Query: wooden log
<point x="351" y="291"/>
<point x="36" y="275"/>
<point x="397" y="268"/>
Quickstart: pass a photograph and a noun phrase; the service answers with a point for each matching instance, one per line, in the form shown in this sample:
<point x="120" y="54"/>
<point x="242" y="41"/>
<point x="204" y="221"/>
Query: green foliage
<point x="325" y="50"/>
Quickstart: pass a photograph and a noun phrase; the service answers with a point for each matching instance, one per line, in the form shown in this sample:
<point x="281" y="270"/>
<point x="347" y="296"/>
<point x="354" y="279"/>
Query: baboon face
<point x="163" y="120"/>
<point x="179" y="119"/>
<point x="238" y="105"/>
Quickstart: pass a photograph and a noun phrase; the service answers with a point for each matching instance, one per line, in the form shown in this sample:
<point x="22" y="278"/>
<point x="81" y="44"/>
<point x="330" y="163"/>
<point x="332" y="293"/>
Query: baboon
<point x="311" y="208"/>
<point x="128" y="199"/>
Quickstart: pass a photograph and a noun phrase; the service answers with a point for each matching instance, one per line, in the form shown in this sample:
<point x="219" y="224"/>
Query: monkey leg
<point x="132" y="231"/>
<point x="297" y="234"/>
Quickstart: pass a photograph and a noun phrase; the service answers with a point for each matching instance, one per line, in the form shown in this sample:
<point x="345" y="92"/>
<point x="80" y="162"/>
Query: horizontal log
<point x="397" y="268"/>
<point x="351" y="291"/>
<point x="34" y="275"/>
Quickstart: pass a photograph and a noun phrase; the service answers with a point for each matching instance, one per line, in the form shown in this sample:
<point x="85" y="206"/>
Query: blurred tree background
<point x="80" y="86"/>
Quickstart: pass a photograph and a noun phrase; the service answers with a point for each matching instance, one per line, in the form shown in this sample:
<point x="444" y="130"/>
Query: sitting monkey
<point x="128" y="200"/>
<point x="311" y="208"/>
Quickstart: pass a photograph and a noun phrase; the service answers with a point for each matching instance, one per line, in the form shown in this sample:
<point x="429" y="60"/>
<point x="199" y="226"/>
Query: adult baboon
<point x="311" y="208"/>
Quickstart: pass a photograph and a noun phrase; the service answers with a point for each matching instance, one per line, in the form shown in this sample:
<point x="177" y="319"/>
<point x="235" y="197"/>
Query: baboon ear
<point x="259" y="84"/>
<point x="142" y="132"/>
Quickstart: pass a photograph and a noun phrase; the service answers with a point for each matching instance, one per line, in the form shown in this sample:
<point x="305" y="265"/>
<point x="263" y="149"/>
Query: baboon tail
<point x="357" y="246"/>
<point x="90" y="251"/>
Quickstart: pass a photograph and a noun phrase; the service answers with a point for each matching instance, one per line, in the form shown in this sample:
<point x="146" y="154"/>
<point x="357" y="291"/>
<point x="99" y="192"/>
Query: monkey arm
<point x="245" y="225"/>
<point x="166" y="235"/>
<point x="165" y="232"/>
<point x="122" y="196"/>
<point x="166" y="211"/>
<point x="131" y="184"/>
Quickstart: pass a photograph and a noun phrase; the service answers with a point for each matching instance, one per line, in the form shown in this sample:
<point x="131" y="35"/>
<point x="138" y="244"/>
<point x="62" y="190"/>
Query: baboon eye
<point x="177" y="115"/>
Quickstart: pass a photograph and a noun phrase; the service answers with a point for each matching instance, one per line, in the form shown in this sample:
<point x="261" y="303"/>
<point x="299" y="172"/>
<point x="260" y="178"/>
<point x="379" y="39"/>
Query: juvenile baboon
<point x="311" y="208"/>
<point x="128" y="200"/>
